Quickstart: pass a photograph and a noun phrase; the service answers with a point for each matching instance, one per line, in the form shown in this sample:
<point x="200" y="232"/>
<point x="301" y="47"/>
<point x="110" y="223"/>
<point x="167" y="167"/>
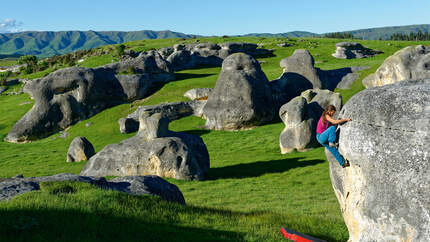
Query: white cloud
<point x="10" y="25"/>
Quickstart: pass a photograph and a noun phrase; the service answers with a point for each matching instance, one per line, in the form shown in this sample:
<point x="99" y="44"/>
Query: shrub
<point x="120" y="50"/>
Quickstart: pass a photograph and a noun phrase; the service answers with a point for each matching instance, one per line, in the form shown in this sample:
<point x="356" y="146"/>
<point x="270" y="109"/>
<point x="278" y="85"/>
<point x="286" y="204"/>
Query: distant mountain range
<point x="48" y="43"/>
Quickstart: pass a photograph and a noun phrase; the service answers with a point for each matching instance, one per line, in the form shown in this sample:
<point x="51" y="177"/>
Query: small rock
<point x="198" y="93"/>
<point x="3" y="89"/>
<point x="24" y="103"/>
<point x="88" y="124"/>
<point x="63" y="134"/>
<point x="80" y="150"/>
<point x="284" y="45"/>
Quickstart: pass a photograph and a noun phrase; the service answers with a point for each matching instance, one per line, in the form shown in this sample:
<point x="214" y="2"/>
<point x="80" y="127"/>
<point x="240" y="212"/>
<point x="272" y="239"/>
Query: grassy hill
<point x="47" y="43"/>
<point x="386" y="32"/>
<point x="365" y="34"/>
<point x="252" y="190"/>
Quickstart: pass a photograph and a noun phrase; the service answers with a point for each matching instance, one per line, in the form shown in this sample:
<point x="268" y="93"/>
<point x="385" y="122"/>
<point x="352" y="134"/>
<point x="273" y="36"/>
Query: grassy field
<point x="252" y="190"/>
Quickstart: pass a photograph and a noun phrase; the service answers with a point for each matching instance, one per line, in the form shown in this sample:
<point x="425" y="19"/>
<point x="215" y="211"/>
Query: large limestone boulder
<point x="69" y="95"/>
<point x="353" y="50"/>
<point x="241" y="97"/>
<point x="172" y="111"/>
<point x="412" y="62"/>
<point x="300" y="65"/>
<point x="301" y="116"/>
<point x="134" y="185"/>
<point x="153" y="151"/>
<point x="385" y="194"/>
<point x="80" y="150"/>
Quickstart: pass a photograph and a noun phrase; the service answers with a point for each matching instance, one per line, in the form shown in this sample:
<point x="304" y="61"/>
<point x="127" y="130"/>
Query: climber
<point x="326" y="133"/>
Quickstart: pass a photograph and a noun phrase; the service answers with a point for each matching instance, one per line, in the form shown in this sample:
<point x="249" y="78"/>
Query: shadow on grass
<point x="75" y="225"/>
<point x="156" y="86"/>
<point x="183" y="76"/>
<point x="198" y="132"/>
<point x="258" y="168"/>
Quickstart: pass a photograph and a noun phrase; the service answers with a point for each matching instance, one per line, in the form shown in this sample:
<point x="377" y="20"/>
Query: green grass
<point x="8" y="62"/>
<point x="71" y="211"/>
<point x="252" y="190"/>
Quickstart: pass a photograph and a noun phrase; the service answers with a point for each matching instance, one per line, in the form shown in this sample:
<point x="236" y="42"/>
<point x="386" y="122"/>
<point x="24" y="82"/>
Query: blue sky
<point x="221" y="17"/>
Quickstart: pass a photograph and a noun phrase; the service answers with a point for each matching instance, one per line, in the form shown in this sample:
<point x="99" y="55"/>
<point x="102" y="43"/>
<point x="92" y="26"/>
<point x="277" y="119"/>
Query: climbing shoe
<point x="333" y="145"/>
<point x="346" y="164"/>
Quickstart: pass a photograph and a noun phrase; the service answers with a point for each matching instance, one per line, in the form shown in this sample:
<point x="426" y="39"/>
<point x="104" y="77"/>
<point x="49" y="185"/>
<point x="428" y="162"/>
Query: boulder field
<point x="385" y="193"/>
<point x="69" y="95"/>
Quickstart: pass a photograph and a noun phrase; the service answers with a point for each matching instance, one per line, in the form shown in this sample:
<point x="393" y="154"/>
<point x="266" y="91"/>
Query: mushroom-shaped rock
<point x="241" y="97"/>
<point x="385" y="193"/>
<point x="301" y="65"/>
<point x="300" y="117"/>
<point x="153" y="151"/>
<point x="172" y="111"/>
<point x="412" y="62"/>
<point x="353" y="50"/>
<point x="79" y="150"/>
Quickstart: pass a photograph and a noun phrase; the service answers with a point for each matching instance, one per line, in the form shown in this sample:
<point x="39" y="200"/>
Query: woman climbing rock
<point x="326" y="133"/>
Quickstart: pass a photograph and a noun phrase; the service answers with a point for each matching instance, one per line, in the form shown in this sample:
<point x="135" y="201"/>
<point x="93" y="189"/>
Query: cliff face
<point x="385" y="193"/>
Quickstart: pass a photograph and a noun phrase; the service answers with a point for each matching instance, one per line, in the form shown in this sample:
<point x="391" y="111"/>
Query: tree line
<point x="411" y="36"/>
<point x="339" y="35"/>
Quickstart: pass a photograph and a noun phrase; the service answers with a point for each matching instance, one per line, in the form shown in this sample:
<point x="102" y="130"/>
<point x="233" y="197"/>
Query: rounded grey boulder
<point x="241" y="97"/>
<point x="80" y="150"/>
<point x="301" y="65"/>
<point x="153" y="151"/>
<point x="385" y="194"/>
<point x="301" y="116"/>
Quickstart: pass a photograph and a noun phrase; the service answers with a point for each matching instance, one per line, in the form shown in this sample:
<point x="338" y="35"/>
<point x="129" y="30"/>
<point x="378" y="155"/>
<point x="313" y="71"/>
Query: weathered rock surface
<point x="193" y="55"/>
<point x="353" y="50"/>
<point x="300" y="74"/>
<point x="150" y="63"/>
<point x="134" y="185"/>
<point x="153" y="151"/>
<point x="241" y="97"/>
<point x="198" y="93"/>
<point x="69" y="95"/>
<point x="79" y="150"/>
<point x="300" y="65"/>
<point x="385" y="194"/>
<point x="153" y="185"/>
<point x="172" y="111"/>
<point x="301" y="116"/>
<point x="412" y="62"/>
